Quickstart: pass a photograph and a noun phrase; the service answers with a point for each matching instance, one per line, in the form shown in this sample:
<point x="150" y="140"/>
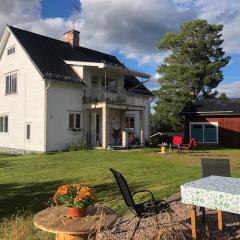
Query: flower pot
<point x="76" y="212"/>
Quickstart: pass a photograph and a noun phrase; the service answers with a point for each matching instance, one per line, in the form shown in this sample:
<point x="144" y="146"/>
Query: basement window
<point x="3" y="123"/>
<point x="28" y="131"/>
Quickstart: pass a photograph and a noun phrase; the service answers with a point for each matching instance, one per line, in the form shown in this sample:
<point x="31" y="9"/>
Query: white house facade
<point x="56" y="93"/>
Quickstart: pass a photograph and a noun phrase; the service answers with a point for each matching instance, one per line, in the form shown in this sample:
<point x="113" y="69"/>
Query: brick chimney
<point x="72" y="37"/>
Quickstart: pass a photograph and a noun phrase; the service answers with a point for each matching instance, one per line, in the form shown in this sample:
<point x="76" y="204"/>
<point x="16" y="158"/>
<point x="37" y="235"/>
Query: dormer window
<point x="11" y="83"/>
<point x="11" y="50"/>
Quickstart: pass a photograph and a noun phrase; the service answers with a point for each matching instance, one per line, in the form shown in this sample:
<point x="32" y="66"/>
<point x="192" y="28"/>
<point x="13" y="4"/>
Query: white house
<point x="54" y="93"/>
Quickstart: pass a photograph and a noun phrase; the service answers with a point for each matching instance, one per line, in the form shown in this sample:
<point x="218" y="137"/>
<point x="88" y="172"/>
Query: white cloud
<point x="232" y="90"/>
<point x="18" y="11"/>
<point x="131" y="27"/>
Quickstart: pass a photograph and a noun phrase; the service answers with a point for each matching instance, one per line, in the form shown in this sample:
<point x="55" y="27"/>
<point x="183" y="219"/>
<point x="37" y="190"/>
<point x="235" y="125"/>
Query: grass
<point x="28" y="182"/>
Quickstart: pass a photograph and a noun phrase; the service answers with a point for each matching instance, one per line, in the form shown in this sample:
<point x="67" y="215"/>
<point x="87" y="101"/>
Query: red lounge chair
<point x="189" y="146"/>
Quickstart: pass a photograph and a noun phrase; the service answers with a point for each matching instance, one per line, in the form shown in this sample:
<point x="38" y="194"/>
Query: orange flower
<point x="63" y="190"/>
<point x="87" y="192"/>
<point x="78" y="198"/>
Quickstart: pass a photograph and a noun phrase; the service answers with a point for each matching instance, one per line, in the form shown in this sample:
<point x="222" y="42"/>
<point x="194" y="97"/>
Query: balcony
<point x="93" y="96"/>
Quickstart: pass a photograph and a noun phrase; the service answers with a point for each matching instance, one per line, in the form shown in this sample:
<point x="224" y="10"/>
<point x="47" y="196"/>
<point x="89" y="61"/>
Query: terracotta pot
<point x="76" y="212"/>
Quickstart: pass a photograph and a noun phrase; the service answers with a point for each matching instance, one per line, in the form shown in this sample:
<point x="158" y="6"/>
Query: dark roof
<point x="211" y="107"/>
<point x="49" y="54"/>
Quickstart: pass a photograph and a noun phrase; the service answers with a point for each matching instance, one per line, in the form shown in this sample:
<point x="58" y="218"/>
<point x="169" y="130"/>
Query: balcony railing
<point x="111" y="96"/>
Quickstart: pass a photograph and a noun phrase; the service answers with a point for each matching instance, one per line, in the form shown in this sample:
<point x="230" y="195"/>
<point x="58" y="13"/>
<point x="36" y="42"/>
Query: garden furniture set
<point x="216" y="190"/>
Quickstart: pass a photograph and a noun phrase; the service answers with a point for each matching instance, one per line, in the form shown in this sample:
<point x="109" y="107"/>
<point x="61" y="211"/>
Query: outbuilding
<point x="213" y="122"/>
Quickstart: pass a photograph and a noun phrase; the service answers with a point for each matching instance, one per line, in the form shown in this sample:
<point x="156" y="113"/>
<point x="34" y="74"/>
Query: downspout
<point x="46" y="115"/>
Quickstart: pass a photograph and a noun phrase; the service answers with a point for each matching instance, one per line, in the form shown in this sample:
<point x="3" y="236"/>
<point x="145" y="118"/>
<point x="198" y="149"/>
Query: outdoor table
<point x="214" y="192"/>
<point x="55" y="220"/>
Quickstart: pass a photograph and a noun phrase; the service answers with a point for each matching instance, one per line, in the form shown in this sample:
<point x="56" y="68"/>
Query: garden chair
<point x="140" y="210"/>
<point x="189" y="146"/>
<point x="217" y="167"/>
<point x="177" y="141"/>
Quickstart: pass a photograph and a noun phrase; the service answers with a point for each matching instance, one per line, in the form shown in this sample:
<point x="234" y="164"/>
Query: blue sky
<point x="130" y="30"/>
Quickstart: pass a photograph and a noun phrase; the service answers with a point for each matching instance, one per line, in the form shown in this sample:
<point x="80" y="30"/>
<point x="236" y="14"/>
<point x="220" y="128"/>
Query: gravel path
<point x="177" y="227"/>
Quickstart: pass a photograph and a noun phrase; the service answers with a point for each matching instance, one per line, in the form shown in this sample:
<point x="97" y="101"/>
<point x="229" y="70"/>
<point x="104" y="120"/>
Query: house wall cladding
<point x="228" y="129"/>
<point x="25" y="106"/>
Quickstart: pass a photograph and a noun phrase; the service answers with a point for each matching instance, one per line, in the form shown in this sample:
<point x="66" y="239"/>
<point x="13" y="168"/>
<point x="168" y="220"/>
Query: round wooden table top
<point x="56" y="220"/>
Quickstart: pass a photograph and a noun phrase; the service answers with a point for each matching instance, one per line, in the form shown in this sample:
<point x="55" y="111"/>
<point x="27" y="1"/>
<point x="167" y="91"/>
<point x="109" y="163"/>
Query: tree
<point x="223" y="96"/>
<point x="191" y="70"/>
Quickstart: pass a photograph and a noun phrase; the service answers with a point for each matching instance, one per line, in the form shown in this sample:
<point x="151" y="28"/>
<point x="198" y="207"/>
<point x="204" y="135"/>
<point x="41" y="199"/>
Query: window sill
<point x="75" y="129"/>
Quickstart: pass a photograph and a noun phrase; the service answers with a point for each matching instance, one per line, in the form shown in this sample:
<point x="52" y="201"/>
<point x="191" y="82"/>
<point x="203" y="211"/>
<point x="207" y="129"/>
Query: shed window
<point x="204" y="132"/>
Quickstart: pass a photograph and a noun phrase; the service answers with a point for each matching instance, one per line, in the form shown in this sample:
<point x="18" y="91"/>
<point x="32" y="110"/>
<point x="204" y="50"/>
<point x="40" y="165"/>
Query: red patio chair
<point x="189" y="146"/>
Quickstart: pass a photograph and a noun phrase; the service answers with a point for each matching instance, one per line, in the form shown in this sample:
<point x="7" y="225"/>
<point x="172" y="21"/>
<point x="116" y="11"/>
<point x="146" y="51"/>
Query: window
<point x="94" y="81"/>
<point x="11" y="83"/>
<point x="130" y="122"/>
<point x="4" y="124"/>
<point x="74" y="121"/>
<point x="11" y="50"/>
<point x="206" y="132"/>
<point x="28" y="131"/>
<point x="111" y="84"/>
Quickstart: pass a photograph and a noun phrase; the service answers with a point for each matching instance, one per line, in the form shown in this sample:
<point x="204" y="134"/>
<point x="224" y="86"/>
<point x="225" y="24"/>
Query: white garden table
<point x="214" y="192"/>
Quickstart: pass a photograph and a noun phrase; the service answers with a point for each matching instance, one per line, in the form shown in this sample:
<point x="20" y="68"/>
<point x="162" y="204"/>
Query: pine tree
<point x="191" y="71"/>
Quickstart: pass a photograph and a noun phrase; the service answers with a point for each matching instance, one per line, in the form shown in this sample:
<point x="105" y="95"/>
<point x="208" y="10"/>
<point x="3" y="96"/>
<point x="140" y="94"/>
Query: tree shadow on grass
<point x="16" y="198"/>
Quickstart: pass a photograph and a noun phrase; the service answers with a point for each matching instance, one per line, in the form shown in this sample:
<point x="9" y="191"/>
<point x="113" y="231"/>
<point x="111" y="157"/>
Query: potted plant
<point x="76" y="197"/>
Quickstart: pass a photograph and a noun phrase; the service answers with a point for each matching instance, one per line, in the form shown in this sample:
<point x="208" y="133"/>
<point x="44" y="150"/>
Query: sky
<point x="130" y="30"/>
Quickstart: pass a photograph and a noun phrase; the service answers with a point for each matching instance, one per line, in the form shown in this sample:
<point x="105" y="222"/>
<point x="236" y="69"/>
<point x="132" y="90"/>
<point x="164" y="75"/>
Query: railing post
<point x="105" y="116"/>
<point x="142" y="126"/>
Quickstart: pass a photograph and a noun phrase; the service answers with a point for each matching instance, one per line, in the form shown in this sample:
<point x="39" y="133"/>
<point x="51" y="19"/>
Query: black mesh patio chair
<point x="217" y="167"/>
<point x="140" y="210"/>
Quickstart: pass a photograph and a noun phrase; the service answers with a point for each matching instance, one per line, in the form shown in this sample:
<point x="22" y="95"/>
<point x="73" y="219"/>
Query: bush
<point x="79" y="146"/>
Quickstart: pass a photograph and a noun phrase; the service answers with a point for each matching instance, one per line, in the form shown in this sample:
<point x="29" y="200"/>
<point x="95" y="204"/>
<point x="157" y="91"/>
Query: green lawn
<point x="28" y="182"/>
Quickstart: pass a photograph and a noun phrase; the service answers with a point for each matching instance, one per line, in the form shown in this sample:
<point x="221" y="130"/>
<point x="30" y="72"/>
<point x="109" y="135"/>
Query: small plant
<point x="78" y="146"/>
<point x="75" y="196"/>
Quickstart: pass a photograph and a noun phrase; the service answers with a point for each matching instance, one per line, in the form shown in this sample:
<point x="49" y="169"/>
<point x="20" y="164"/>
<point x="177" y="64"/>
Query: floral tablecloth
<point x="214" y="192"/>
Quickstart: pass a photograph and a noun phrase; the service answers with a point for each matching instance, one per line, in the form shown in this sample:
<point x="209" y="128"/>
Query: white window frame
<point x="30" y="124"/>
<point x="204" y="124"/>
<point x="75" y="113"/>
<point x="4" y="123"/>
<point x="13" y="53"/>
<point x="10" y="83"/>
